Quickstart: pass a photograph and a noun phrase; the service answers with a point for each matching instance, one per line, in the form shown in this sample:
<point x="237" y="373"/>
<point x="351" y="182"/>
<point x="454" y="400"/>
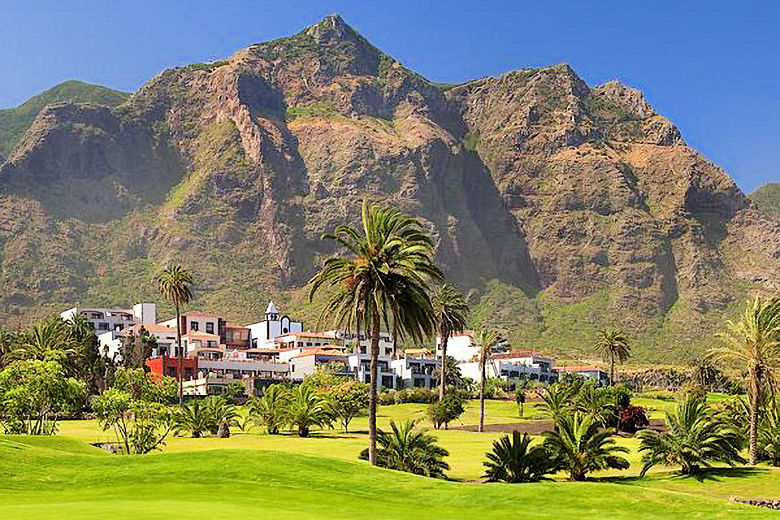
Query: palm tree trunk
<point x="443" y="370"/>
<point x="372" y="390"/>
<point x="612" y="369"/>
<point x="179" y="355"/>
<point x="754" y="403"/>
<point x="482" y="394"/>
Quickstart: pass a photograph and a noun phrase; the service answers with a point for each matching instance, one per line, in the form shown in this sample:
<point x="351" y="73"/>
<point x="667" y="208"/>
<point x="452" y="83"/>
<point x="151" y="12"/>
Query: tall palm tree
<point x="382" y="277"/>
<point x="173" y="284"/>
<point x="613" y="346"/>
<point x="452" y="311"/>
<point x="487" y="340"/>
<point x="753" y="341"/>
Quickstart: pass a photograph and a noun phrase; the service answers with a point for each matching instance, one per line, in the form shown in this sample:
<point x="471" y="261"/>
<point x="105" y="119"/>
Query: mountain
<point x="767" y="198"/>
<point x="559" y="207"/>
<point x="14" y="122"/>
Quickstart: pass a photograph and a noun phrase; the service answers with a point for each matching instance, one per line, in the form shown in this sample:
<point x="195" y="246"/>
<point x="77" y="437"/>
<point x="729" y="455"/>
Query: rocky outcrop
<point x="531" y="181"/>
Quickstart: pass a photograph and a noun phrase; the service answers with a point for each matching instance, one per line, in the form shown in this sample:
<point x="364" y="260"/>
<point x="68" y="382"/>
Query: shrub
<point x="579" y="447"/>
<point x="348" y="400"/>
<point x="419" y="395"/>
<point x="696" y="438"/>
<point x="269" y="410"/>
<point x="306" y="408"/>
<point x="410" y="449"/>
<point x="33" y="393"/>
<point x="632" y="418"/>
<point x="140" y="425"/>
<point x="445" y="411"/>
<point x="513" y="460"/>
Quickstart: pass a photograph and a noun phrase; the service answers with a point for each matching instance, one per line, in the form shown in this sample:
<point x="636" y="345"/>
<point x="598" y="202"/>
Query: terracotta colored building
<point x="189" y="367"/>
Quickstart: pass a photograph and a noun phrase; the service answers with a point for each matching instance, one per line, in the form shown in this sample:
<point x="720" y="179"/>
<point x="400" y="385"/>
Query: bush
<point x="513" y="460"/>
<point x="632" y="418"/>
<point x="496" y="388"/>
<point x="410" y="449"/>
<point x="417" y="395"/>
<point x="445" y="411"/>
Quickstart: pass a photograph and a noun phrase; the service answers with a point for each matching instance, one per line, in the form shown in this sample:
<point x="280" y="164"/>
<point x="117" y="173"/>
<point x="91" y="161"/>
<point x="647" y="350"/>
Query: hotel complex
<point x="217" y="353"/>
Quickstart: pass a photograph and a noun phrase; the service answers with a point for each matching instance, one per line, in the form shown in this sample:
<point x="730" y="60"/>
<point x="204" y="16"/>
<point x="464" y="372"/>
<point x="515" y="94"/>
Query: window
<point x="209" y="327"/>
<point x="193" y="325"/>
<point x="102" y="325"/>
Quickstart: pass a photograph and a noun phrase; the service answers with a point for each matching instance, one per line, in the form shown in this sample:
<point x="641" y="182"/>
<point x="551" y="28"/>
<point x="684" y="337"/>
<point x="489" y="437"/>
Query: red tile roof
<point x="578" y="368"/>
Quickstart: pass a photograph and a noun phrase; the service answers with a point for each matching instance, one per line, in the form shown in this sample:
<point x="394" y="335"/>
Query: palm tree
<point x="452" y="311"/>
<point x="269" y="409"/>
<point x="769" y="434"/>
<point x="487" y="340"/>
<point x="411" y="449"/>
<point x="47" y="340"/>
<point x="513" y="460"/>
<point x="557" y="401"/>
<point x="306" y="408"/>
<point x="599" y="406"/>
<point x="579" y="447"/>
<point x="612" y="345"/>
<point x="754" y="341"/>
<point x="194" y="418"/>
<point x="173" y="284"/>
<point x="696" y="438"/>
<point x="383" y="277"/>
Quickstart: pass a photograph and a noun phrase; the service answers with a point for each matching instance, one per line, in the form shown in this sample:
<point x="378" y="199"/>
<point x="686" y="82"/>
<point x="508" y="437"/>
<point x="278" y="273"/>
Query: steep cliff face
<point x="547" y="198"/>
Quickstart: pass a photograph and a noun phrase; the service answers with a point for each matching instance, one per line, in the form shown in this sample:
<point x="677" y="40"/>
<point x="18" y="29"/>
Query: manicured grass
<point x="62" y="481"/>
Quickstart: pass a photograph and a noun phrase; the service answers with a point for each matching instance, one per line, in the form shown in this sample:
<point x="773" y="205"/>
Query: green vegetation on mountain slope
<point x="14" y="122"/>
<point x="767" y="198"/>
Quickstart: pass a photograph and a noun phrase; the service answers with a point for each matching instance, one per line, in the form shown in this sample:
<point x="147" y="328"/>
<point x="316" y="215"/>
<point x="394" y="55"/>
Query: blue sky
<point x="712" y="67"/>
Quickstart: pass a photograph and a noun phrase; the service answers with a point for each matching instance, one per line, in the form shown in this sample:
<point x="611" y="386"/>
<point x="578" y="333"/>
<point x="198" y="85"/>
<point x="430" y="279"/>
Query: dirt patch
<point x="537" y="427"/>
<point x="532" y="427"/>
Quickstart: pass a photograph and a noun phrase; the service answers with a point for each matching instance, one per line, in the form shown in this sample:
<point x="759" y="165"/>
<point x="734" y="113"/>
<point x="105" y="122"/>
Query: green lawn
<point x="59" y="478"/>
<point x="253" y="475"/>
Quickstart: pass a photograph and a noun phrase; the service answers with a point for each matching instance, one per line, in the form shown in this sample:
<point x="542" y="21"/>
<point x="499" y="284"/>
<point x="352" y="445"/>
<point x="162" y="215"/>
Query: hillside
<point x="767" y="198"/>
<point x="558" y="206"/>
<point x="14" y="122"/>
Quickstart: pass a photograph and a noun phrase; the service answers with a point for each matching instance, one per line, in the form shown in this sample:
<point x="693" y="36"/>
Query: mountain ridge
<point x="559" y="207"/>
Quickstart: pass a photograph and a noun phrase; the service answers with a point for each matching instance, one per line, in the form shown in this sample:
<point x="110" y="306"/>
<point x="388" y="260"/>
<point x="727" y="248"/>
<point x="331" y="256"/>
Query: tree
<point x="411" y="449"/>
<point x="452" y="311"/>
<point x="613" y="346"/>
<point x="452" y="374"/>
<point x="174" y="286"/>
<point x="194" y="418"/>
<point x="513" y="460"/>
<point x="696" y="438"/>
<point x="769" y="435"/>
<point x="579" y="447"/>
<point x="486" y="340"/>
<point x="136" y="349"/>
<point x="557" y="401"/>
<point x="753" y="341"/>
<point x="382" y="277"/>
<point x="520" y="399"/>
<point x="223" y="414"/>
<point x="269" y="409"/>
<point x="136" y="409"/>
<point x="140" y="426"/>
<point x="305" y="409"/>
<point x="597" y="404"/>
<point x="33" y="392"/>
<point x="48" y="340"/>
<point x="347" y="401"/>
<point x="444" y="411"/>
